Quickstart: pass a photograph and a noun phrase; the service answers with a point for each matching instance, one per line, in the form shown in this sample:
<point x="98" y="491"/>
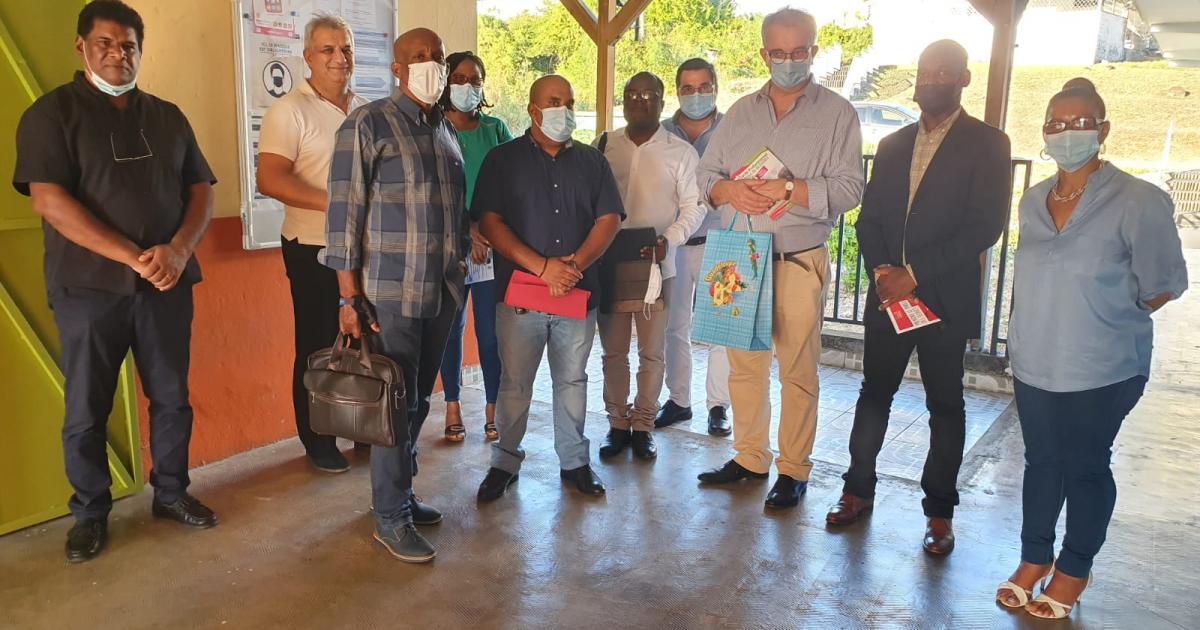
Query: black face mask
<point x="938" y="99"/>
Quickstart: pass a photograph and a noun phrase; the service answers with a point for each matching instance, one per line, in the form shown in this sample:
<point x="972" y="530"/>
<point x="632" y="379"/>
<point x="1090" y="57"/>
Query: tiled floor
<point x="907" y="437"/>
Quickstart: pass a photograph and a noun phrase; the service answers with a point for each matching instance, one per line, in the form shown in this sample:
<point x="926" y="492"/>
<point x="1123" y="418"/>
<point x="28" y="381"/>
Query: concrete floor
<point x="294" y="548"/>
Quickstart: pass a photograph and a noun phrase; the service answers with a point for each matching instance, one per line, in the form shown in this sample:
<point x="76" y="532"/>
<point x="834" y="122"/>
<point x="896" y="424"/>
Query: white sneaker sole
<point x="402" y="557"/>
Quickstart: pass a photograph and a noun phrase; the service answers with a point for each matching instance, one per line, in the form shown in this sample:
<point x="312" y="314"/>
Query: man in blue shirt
<point x="549" y="207"/>
<point x="397" y="176"/>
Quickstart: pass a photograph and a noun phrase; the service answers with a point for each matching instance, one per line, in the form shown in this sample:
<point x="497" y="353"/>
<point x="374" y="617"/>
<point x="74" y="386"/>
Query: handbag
<point x="737" y="308"/>
<point x="355" y="394"/>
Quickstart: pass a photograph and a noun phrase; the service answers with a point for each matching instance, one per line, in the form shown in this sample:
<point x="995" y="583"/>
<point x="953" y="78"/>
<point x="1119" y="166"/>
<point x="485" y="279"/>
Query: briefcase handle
<point x="343" y="351"/>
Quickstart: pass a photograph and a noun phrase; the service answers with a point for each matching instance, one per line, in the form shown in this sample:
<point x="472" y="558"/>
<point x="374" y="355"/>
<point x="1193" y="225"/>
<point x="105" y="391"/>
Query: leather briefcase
<point x="355" y="394"/>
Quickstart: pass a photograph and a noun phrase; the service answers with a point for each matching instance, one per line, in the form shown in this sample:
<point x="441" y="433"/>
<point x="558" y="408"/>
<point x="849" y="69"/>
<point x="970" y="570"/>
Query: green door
<point x="36" y="54"/>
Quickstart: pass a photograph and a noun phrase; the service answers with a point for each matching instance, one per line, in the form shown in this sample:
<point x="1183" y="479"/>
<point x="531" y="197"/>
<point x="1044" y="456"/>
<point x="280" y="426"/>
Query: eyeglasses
<point x="643" y="95"/>
<point x="461" y="79"/>
<point x="780" y="56"/>
<point x="112" y="142"/>
<point x="705" y="88"/>
<point x="1083" y="123"/>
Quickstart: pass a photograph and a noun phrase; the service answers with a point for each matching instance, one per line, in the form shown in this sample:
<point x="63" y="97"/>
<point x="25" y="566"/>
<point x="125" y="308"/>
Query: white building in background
<point x="1051" y="32"/>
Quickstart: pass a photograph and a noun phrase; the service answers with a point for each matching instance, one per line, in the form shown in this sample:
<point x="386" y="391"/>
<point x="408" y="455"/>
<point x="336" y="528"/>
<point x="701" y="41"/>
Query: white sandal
<point x="1058" y="610"/>
<point x="1023" y="595"/>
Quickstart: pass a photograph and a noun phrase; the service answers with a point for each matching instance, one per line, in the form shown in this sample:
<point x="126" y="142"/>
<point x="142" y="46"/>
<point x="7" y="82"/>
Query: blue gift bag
<point x="735" y="297"/>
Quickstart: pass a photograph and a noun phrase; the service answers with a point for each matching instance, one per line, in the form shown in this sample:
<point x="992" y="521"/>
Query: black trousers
<point x="885" y="359"/>
<point x="97" y="330"/>
<point x="315" y="311"/>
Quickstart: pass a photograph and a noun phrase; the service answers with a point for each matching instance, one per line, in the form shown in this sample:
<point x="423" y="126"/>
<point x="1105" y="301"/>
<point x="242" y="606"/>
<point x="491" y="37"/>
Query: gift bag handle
<point x="733" y="223"/>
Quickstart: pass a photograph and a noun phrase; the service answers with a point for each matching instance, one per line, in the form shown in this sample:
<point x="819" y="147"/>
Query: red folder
<point x="527" y="291"/>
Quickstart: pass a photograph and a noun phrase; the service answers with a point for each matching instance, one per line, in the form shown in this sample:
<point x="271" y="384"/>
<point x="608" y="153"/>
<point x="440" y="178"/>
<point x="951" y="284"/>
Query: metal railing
<point x="996" y="270"/>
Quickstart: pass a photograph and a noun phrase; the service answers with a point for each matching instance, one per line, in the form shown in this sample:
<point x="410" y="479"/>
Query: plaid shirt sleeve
<point x="349" y="175"/>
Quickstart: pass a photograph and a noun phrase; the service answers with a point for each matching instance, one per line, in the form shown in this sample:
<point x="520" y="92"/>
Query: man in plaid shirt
<point x="395" y="231"/>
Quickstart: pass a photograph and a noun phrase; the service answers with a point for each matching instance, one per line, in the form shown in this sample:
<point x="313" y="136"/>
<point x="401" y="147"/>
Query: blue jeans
<point x="417" y="345"/>
<point x="1068" y="448"/>
<point x="568" y="342"/>
<point x="483" y="307"/>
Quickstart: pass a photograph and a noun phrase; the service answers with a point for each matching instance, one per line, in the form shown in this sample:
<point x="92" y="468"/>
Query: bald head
<point x="551" y="87"/>
<point x="946" y="54"/>
<point x="419" y="42"/>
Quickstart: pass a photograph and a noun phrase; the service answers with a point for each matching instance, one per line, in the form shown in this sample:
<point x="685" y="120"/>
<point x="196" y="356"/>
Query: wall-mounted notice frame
<point x="269" y="43"/>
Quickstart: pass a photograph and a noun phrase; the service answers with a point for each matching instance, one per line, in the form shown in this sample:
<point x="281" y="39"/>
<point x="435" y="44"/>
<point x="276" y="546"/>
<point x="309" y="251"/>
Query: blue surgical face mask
<point x="1073" y="148"/>
<point x="790" y="74"/>
<point x="558" y="123"/>
<point x="465" y="97"/>
<point x="698" y="106"/>
<point x="105" y="86"/>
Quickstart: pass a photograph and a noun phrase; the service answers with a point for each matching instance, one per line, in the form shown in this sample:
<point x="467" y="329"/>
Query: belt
<point x="699" y="240"/>
<point x="784" y="256"/>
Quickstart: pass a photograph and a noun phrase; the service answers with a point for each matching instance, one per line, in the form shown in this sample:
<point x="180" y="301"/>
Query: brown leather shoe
<point x="939" y="536"/>
<point x="848" y="509"/>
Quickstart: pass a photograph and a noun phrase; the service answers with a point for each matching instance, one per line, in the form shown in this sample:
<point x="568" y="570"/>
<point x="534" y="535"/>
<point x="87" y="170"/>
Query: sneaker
<point x="406" y="543"/>
<point x="333" y="462"/>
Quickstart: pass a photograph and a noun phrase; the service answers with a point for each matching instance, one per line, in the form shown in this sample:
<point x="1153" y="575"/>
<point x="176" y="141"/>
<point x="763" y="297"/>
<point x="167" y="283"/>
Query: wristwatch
<point x="789" y="187"/>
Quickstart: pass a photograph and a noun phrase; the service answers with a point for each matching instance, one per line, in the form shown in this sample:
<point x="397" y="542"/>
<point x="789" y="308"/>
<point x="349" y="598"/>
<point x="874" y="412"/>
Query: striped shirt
<point x="396" y="205"/>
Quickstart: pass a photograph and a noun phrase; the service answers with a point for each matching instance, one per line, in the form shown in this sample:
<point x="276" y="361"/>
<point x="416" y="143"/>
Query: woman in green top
<point x="463" y="104"/>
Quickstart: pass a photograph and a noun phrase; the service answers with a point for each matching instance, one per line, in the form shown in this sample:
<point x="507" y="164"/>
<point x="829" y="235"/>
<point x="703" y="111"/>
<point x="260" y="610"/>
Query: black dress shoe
<point x="423" y="514"/>
<point x="729" y="473"/>
<point x="85" y="540"/>
<point x="615" y="442"/>
<point x="718" y="422"/>
<point x="494" y="484"/>
<point x="186" y="510"/>
<point x="584" y="479"/>
<point x="786" y="492"/>
<point x="670" y="414"/>
<point x="643" y="445"/>
<point x="332" y="462"/>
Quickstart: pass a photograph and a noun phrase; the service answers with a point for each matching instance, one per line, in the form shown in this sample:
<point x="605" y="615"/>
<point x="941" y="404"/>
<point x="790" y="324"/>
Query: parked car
<point x="881" y="119"/>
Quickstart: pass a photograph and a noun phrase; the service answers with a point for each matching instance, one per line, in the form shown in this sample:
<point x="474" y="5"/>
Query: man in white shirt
<point x="656" y="176"/>
<point x="294" y="151"/>
<point x="696" y="121"/>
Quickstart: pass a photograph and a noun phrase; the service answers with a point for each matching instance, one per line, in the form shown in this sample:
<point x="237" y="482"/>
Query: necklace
<point x="1071" y="197"/>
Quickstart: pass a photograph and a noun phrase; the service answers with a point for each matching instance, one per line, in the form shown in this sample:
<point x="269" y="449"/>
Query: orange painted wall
<point x="241" y="370"/>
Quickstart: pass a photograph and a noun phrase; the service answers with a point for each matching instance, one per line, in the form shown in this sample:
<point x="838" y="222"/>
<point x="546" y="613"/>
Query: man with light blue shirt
<point x="815" y="134"/>
<point x="696" y="121"/>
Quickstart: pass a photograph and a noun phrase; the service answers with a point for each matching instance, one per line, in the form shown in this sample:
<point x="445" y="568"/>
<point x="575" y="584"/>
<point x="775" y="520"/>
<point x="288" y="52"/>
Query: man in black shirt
<point x="550" y="207"/>
<point x="125" y="195"/>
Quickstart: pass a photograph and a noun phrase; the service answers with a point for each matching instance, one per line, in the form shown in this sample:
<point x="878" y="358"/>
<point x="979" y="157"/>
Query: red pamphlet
<point x="527" y="291"/>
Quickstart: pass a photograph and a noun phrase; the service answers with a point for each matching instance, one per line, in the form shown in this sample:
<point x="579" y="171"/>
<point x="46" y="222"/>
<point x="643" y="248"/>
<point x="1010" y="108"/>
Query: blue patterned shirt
<point x="396" y="205"/>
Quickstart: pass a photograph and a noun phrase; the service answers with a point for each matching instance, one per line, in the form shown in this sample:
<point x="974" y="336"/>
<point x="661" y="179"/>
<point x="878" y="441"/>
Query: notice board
<point x="269" y="42"/>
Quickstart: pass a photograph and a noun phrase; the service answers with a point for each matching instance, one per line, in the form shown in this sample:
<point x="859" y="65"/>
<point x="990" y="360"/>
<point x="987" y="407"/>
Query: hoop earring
<point x="1044" y="155"/>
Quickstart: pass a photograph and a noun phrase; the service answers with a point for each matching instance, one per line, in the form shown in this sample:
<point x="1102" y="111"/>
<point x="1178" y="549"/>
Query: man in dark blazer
<point x="938" y="198"/>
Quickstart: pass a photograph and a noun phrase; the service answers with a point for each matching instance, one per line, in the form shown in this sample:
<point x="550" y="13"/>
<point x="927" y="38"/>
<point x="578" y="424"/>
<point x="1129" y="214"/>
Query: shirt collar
<point x="307" y="89"/>
<point x="672" y="124"/>
<point x="409" y="108"/>
<point x="81" y="83"/>
<point x="533" y="143"/>
<point x="943" y="128"/>
<point x="811" y="92"/>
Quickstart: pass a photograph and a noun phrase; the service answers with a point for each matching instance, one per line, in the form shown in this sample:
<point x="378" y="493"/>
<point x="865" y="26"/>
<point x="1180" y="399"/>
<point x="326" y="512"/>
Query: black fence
<point x="850" y="280"/>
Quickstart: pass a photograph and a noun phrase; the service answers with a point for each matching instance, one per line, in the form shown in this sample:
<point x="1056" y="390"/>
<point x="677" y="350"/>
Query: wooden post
<point x="606" y="67"/>
<point x="605" y="29"/>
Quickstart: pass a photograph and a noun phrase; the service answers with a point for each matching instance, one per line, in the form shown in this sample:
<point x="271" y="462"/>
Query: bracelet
<point x="545" y="264"/>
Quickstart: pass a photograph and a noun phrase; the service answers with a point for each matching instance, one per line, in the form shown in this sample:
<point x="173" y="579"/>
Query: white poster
<point x="270" y="55"/>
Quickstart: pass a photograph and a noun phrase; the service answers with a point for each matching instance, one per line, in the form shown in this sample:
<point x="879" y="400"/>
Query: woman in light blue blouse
<point x="478" y="133"/>
<point x="1098" y="253"/>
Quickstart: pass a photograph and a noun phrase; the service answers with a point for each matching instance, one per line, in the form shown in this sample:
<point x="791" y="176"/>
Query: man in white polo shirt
<point x="656" y="176"/>
<point x="294" y="151"/>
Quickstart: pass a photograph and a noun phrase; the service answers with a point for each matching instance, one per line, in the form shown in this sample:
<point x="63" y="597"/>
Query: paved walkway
<point x="294" y="547"/>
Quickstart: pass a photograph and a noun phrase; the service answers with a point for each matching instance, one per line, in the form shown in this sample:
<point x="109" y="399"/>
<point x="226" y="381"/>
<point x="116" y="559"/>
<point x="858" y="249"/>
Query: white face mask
<point x="653" y="286"/>
<point x="105" y="86"/>
<point x="427" y="80"/>
<point x="465" y="97"/>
